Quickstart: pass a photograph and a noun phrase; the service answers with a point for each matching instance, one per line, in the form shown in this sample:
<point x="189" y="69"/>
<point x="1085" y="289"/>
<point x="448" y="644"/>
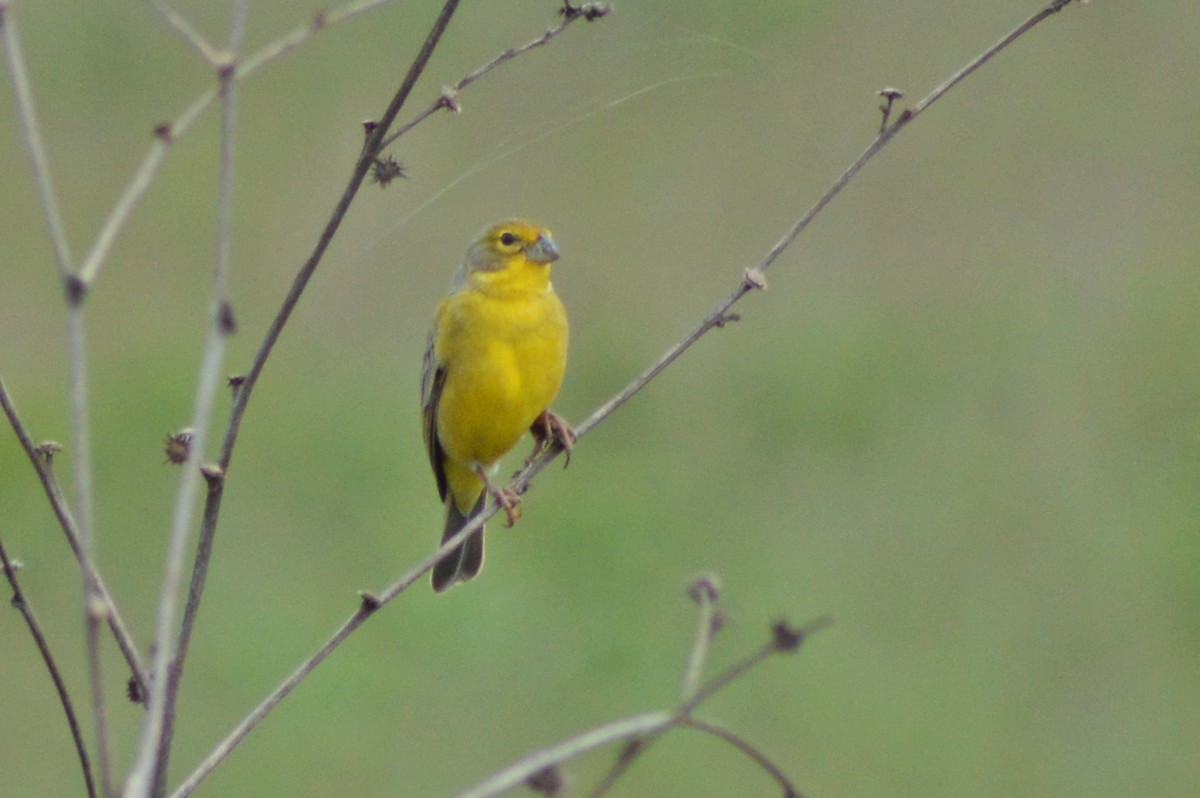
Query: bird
<point x="495" y="360"/>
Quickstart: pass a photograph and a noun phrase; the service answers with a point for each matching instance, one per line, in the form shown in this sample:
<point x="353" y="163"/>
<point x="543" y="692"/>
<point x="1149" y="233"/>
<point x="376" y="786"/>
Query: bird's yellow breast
<point x="502" y="341"/>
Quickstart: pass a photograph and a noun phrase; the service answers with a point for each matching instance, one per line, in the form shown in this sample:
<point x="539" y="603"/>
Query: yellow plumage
<point x="495" y="361"/>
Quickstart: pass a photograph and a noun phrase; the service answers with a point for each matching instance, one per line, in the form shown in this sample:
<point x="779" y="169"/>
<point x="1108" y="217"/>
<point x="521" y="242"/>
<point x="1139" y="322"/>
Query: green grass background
<point x="963" y="420"/>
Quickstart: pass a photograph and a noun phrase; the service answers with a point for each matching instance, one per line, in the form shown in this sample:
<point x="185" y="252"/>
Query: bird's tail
<point x="465" y="561"/>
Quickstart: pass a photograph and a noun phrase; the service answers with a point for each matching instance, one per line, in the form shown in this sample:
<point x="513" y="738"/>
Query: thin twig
<point x="30" y="132"/>
<point x="368" y="604"/>
<point x="448" y="100"/>
<point x="40" y="457"/>
<point x="186" y="31"/>
<point x="519" y="772"/>
<point x="81" y="463"/>
<point x="75" y="294"/>
<point x="156" y="732"/>
<point x="754" y="278"/>
<point x="725" y="678"/>
<point x="298" y="36"/>
<point x="93" y="611"/>
<point x="22" y="604"/>
<point x="222" y="325"/>
<point x="212" y="509"/>
<point x="638" y="732"/>
<point x="216" y="483"/>
<point x="77" y="376"/>
<point x="1050" y="10"/>
<point x="704" y="592"/>
<point x="789" y="789"/>
<point x="169" y="132"/>
<point x="361" y="168"/>
<point x="785" y="639"/>
<point x="246" y="386"/>
<point x="251" y="721"/>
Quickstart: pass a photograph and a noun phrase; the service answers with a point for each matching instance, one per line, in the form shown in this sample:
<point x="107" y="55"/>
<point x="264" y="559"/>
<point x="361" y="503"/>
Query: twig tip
<point x="889" y="95"/>
<point x="47" y="449"/>
<point x="786" y="637"/>
<point x="589" y="11"/>
<point x="705" y="588"/>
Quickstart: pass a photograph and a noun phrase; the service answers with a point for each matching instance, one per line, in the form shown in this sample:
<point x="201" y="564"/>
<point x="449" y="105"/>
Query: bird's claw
<point x="549" y="427"/>
<point x="508" y="499"/>
<point x="510" y="502"/>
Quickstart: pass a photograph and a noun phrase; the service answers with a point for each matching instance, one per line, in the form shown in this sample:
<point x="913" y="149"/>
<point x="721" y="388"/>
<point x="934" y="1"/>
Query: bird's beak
<point x="543" y="250"/>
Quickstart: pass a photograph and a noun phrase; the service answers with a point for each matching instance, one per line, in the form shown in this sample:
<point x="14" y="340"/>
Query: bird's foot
<point x="548" y="429"/>
<point x="508" y="499"/>
<point x="511" y="502"/>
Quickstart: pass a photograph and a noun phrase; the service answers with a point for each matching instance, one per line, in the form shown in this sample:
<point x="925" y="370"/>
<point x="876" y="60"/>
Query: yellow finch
<point x="495" y="361"/>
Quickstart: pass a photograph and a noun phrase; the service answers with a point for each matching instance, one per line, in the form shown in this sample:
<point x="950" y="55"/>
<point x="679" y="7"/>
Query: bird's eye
<point x="508" y="239"/>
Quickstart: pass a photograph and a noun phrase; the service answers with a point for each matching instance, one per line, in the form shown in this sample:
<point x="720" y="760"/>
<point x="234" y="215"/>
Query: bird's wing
<point x="433" y="377"/>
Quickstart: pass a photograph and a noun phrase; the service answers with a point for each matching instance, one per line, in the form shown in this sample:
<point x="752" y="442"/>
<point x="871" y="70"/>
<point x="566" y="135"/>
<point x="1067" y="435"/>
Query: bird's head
<point x="508" y="242"/>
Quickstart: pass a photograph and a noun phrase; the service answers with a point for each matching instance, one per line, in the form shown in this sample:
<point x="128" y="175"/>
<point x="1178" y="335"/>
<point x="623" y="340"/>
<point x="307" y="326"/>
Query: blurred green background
<point x="963" y="420"/>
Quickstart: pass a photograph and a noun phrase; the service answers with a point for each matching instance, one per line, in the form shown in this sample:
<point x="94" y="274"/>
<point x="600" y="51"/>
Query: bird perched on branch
<point x="495" y="361"/>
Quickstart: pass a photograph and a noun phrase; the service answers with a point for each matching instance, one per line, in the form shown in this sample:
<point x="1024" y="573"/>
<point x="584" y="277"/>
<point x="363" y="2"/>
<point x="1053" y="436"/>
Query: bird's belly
<point x="492" y="397"/>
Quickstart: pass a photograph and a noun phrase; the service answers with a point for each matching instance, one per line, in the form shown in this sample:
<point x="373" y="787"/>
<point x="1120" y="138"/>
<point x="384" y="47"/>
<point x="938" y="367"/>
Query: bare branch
<point x="290" y="41"/>
<point x="202" y="771"/>
<point x="519" y="772"/>
<point x="242" y="392"/>
<point x="81" y="463"/>
<point x="704" y="591"/>
<point x="167" y="133"/>
<point x="22" y="604"/>
<point x="448" y="99"/>
<point x="27" y="118"/>
<point x="361" y="168"/>
<point x="785" y="639"/>
<point x="187" y="32"/>
<point x="41" y="458"/>
<point x="754" y="278"/>
<point x="760" y="759"/>
<point x="638" y="732"/>
<point x="152" y="754"/>
<point x="75" y="294"/>
<point x="368" y="604"/>
<point x="1053" y="8"/>
<point x="246" y="385"/>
